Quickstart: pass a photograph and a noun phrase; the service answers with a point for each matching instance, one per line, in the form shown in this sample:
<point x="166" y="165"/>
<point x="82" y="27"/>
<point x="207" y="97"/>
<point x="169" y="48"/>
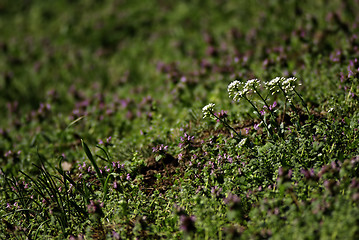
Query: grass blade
<point x="90" y="157"/>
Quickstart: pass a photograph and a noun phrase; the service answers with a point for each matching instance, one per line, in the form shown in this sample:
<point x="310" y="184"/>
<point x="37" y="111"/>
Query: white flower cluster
<point x="233" y="89"/>
<point x="286" y="84"/>
<point x="272" y="85"/>
<point x="242" y="142"/>
<point x="208" y="110"/>
<point x="238" y="90"/>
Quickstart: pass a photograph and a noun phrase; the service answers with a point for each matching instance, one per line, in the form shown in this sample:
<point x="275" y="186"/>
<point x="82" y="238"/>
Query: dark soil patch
<point x="167" y="167"/>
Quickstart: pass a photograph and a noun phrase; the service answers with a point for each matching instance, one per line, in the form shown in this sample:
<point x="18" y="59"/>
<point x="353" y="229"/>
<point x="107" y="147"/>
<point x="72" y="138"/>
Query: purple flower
<point x="273" y="105"/>
<point x="95" y="207"/>
<point x="280" y="171"/>
<point x="186" y="141"/>
<point x="309" y="174"/>
<point x="115" y="235"/>
<point x="221" y="115"/>
<point x="216" y="191"/>
<point x="354" y="184"/>
<point x="160" y="148"/>
<point x="290" y="172"/>
<point x="233" y="201"/>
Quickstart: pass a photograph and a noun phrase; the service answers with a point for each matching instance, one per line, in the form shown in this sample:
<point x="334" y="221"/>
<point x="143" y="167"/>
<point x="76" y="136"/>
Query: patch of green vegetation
<point x="102" y="134"/>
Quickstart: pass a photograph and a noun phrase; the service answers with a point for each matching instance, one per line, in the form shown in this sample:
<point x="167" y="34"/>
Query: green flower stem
<point x="271" y="112"/>
<point x="290" y="102"/>
<point x="265" y="102"/>
<point x="227" y="125"/>
<point x="260" y="116"/>
<point x="302" y="100"/>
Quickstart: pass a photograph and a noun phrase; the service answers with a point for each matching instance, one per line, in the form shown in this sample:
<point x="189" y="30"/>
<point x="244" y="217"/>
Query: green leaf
<point x="105" y="188"/>
<point x="90" y="157"/>
<point x="75" y="121"/>
<point x="158" y="157"/>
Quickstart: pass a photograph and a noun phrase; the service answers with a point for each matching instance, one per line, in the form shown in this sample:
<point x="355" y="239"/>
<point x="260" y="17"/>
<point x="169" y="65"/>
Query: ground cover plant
<point x="179" y="119"/>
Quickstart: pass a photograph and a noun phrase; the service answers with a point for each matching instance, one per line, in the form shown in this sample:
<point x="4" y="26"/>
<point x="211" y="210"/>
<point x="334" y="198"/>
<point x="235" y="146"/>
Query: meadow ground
<point x="179" y="119"/>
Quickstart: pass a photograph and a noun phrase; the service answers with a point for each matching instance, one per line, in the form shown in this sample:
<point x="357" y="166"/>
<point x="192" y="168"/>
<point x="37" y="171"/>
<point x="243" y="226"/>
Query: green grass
<point x="102" y="134"/>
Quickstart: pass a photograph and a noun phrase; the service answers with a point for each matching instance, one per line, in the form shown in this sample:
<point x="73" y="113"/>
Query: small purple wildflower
<point x="186" y="141"/>
<point x="233" y="201"/>
<point x="273" y="105"/>
<point x="120" y="166"/>
<point x="115" y="235"/>
<point x="309" y="174"/>
<point x="160" y="148"/>
<point x="95" y="207"/>
<point x="216" y="191"/>
<point x="221" y="115"/>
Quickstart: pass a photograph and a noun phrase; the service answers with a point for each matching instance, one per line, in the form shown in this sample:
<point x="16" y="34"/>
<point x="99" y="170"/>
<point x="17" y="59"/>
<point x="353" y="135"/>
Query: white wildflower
<point x="208" y="110"/>
<point x="234" y="89"/>
<point x="238" y="90"/>
<point x="288" y="84"/>
<point x="253" y="83"/>
<point x="274" y="83"/>
<point x="242" y="142"/>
